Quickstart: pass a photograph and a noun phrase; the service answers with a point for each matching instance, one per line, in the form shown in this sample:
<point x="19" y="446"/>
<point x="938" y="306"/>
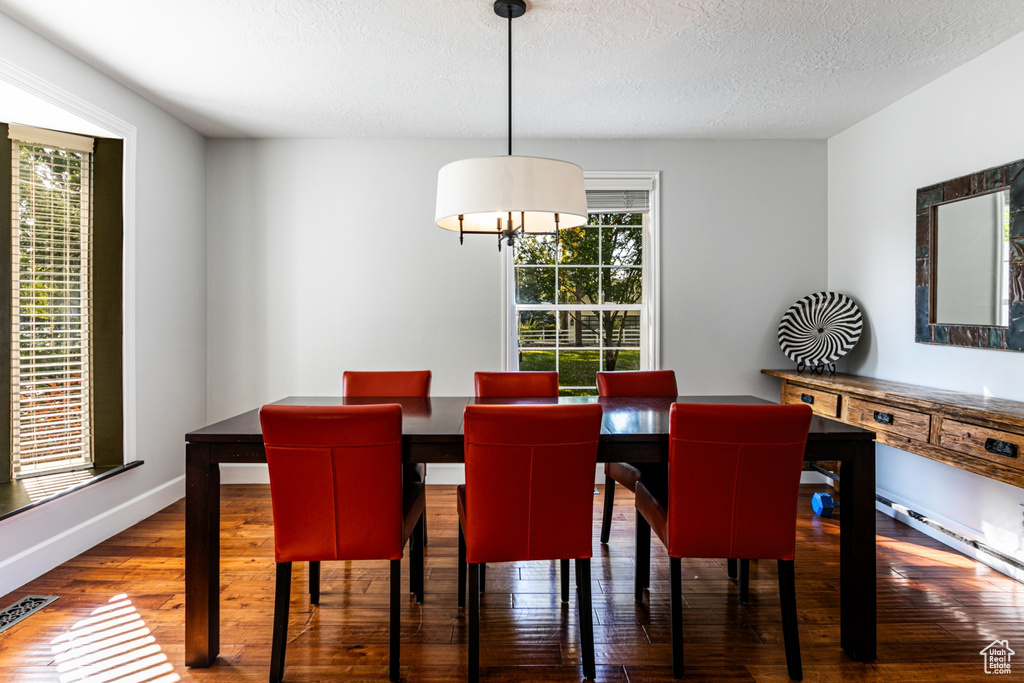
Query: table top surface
<point x="439" y="418"/>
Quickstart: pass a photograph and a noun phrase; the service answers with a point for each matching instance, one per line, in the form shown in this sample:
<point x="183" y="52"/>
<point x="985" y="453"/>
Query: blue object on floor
<point x="823" y="505"/>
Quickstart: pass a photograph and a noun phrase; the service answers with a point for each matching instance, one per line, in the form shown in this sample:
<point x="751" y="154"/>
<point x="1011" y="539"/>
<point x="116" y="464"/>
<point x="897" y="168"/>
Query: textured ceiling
<point x="583" y="68"/>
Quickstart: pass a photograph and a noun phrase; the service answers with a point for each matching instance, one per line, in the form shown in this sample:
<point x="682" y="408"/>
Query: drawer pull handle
<point x="807" y="398"/>
<point x="883" y="418"/>
<point x="1001" y="447"/>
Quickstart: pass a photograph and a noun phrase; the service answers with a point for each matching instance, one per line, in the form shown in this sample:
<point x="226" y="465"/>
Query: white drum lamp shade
<point x="532" y="189"/>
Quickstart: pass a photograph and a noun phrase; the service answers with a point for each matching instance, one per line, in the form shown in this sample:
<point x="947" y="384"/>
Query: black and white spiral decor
<point x="820" y="329"/>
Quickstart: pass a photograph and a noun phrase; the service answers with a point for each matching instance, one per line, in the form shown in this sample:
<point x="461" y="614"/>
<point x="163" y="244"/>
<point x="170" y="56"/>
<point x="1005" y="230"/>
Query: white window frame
<point x="114" y="127"/>
<point x="649" y="309"/>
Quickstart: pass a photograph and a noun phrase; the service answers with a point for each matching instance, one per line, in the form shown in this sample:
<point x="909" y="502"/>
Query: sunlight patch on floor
<point x="948" y="556"/>
<point x="112" y="644"/>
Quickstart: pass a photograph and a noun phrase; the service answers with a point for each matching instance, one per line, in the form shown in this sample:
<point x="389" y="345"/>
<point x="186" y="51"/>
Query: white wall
<point x="961" y="123"/>
<point x="323" y="256"/>
<point x="169" y="327"/>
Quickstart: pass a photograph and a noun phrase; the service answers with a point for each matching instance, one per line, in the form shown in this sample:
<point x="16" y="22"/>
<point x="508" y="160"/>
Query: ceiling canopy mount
<point x="509" y="9"/>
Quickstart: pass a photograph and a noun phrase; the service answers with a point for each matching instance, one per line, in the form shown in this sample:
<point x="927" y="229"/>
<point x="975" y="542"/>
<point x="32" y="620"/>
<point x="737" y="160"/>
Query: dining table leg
<point x="202" y="556"/>
<point x="858" y="591"/>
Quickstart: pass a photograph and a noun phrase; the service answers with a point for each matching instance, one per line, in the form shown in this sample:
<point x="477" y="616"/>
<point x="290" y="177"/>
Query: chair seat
<point x="655" y="511"/>
<point x="460" y="504"/>
<point x="414" y="472"/>
<point x="414" y="503"/>
<point x="624" y="473"/>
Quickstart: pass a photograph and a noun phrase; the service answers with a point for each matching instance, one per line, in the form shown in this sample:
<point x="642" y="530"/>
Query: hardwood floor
<point x="121" y="611"/>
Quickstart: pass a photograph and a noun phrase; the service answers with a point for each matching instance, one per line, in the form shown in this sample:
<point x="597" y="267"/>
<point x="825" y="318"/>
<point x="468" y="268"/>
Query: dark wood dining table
<point x="632" y="430"/>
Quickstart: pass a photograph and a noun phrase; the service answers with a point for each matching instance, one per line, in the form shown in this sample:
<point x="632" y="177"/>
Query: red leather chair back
<point x="516" y="384"/>
<point x="637" y="383"/>
<point x="335" y="481"/>
<point x="399" y="383"/>
<point x="530" y="481"/>
<point x="734" y="474"/>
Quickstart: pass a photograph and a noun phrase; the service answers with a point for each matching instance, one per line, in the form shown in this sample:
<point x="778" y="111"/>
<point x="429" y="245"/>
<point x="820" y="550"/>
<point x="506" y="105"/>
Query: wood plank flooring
<point x="120" y="616"/>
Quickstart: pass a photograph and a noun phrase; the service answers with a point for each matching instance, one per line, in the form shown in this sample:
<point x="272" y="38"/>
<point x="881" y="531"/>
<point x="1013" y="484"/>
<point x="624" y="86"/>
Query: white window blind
<point x="609" y="201"/>
<point x="50" y="302"/>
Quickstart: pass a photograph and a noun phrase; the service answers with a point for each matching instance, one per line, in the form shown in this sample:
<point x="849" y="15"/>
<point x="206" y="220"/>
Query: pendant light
<point x="510" y="196"/>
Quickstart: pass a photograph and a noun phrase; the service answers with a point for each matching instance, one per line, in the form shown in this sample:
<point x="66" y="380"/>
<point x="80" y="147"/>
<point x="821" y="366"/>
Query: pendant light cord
<point x="510" y="84"/>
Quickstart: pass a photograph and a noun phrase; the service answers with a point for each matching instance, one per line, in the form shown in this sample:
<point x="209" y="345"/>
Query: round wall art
<point x="820" y="329"/>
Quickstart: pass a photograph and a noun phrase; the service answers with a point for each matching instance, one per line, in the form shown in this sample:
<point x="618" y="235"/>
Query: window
<point x="51" y="195"/>
<point x="586" y="301"/>
<point x="62" y="283"/>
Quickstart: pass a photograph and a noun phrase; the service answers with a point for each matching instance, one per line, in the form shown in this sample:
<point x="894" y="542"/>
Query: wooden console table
<point x="979" y="434"/>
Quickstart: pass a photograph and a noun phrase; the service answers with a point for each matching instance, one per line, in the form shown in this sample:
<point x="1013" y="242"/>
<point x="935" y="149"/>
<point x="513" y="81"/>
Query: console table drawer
<point x="821" y="402"/>
<point x="884" y="418"/>
<point x="934" y="423"/>
<point x="981" y="442"/>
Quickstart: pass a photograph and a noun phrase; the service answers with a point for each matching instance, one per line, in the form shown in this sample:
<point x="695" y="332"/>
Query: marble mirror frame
<point x="1009" y="338"/>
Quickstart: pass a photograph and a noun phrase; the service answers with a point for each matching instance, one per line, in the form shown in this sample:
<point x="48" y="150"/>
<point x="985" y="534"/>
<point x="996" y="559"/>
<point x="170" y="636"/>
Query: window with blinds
<point x="51" y="220"/>
<point x="585" y="302"/>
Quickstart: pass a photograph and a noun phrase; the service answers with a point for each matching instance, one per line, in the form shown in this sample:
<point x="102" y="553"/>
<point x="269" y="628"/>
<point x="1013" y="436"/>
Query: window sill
<point x="25" y="494"/>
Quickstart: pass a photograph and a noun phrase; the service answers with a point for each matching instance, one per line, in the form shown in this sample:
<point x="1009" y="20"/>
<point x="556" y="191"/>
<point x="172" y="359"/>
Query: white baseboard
<point x="438" y="473"/>
<point x="454" y="474"/>
<point x="812" y="477"/>
<point x="19" y="569"/>
<point x="446" y="474"/>
<point x="244" y="473"/>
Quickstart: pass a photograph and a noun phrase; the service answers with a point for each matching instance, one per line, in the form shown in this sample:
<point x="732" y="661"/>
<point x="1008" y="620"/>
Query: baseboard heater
<point x="917" y="516"/>
<point x="977" y="545"/>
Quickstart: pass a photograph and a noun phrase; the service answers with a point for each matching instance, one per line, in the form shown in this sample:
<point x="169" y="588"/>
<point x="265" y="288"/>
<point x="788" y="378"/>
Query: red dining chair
<point x="388" y="383"/>
<point x="377" y="384"/>
<point x="528" y="496"/>
<point x="733" y="480"/>
<point x="337" y="493"/>
<point x="633" y="383"/>
<point x="519" y="385"/>
<point x="516" y="384"/>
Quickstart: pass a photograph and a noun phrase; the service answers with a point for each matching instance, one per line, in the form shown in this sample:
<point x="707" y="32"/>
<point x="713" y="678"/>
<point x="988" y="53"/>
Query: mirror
<point x="970" y="260"/>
